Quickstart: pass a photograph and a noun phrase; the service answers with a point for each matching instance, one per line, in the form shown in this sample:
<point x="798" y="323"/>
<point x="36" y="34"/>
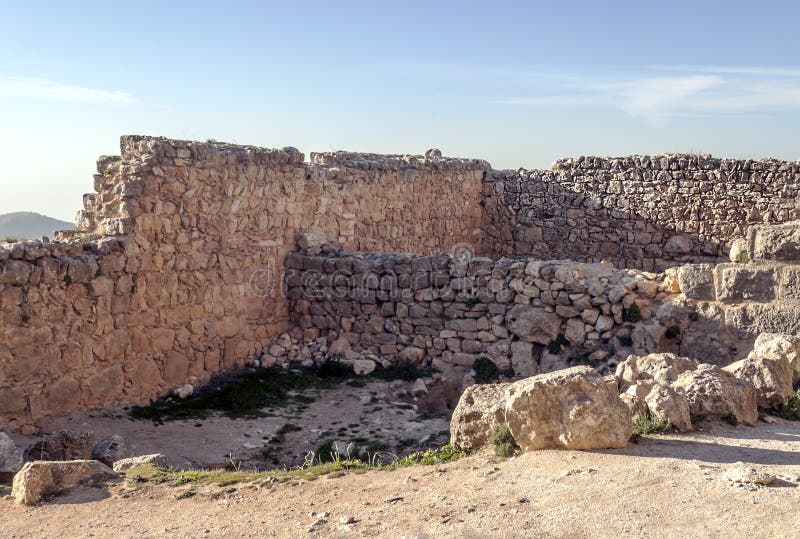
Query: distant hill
<point x="29" y="225"/>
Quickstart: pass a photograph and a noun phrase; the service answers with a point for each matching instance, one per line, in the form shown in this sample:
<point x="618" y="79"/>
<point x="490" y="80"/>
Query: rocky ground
<point x="663" y="486"/>
<point x="361" y="414"/>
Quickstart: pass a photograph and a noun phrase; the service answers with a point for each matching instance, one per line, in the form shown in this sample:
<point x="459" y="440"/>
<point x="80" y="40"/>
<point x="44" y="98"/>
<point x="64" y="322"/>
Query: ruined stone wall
<point x="448" y="310"/>
<point x="176" y="270"/>
<point x="637" y="212"/>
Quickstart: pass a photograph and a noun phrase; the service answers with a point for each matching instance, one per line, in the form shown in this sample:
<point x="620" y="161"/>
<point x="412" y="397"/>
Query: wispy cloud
<point x="29" y="88"/>
<point x="698" y="92"/>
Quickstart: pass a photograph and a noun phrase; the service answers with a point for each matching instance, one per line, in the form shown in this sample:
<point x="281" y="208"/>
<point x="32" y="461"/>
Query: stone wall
<point x="449" y="310"/>
<point x="176" y="269"/>
<point x="637" y="212"/>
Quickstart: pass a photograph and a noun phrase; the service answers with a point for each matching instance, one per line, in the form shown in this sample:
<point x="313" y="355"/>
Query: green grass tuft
<point x="644" y="424"/>
<point x="503" y="441"/>
<point x="311" y="470"/>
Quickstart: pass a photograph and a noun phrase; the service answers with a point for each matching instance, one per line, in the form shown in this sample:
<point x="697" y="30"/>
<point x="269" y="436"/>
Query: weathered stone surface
<point x="61" y="445"/>
<point x="712" y="392"/>
<point x="748" y="320"/>
<point x="772" y="378"/>
<point x="572" y="408"/>
<point x="110" y="449"/>
<point x="697" y="281"/>
<point x="740" y="282"/>
<point x="663" y="368"/>
<point x="665" y="402"/>
<point x="10" y="458"/>
<point x="533" y="324"/>
<point x="157" y="459"/>
<point x="37" y="480"/>
<point x="779" y="347"/>
<point x="775" y="242"/>
<point x="744" y="474"/>
<point x="363" y="366"/>
<point x="412" y="355"/>
<point x="311" y="242"/>
<point x="738" y="252"/>
<point x="480" y="408"/>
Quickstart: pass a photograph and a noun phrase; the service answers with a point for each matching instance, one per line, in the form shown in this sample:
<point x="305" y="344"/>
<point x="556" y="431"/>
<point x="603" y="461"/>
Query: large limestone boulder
<point x="772" y="378"/>
<point x="775" y="242"/>
<point x="480" y="408"/>
<point x="779" y="346"/>
<point x="10" y="458"/>
<point x="156" y="459"/>
<point x="663" y="368"/>
<point x="533" y="324"/>
<point x="39" y="479"/>
<point x="712" y="392"/>
<point x="572" y="409"/>
<point x="62" y="445"/>
<point x="664" y="402"/>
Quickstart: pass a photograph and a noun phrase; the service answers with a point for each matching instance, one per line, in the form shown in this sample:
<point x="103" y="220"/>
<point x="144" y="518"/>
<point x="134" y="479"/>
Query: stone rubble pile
<point x="577" y="409"/>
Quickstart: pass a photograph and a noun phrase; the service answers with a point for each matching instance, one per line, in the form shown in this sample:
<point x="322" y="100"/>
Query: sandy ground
<point x="361" y="416"/>
<point x="663" y="486"/>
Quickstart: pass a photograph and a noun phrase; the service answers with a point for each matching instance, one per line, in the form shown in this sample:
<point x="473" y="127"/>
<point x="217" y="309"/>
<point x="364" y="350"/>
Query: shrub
<point x="503" y="441"/>
<point x="790" y="409"/>
<point x="647" y="423"/>
<point x="485" y="370"/>
<point x="632" y="314"/>
<point x="694" y="316"/>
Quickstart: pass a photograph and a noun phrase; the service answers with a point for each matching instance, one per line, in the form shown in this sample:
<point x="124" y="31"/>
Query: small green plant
<point x="309" y="471"/>
<point x="10" y="239"/>
<point x="503" y="441"/>
<point x="647" y="423"/>
<point x="742" y="258"/>
<point x="694" y="316"/>
<point x="790" y="409"/>
<point x="672" y="332"/>
<point x="67" y="280"/>
<point x="324" y="453"/>
<point x="557" y="344"/>
<point x="632" y="314"/>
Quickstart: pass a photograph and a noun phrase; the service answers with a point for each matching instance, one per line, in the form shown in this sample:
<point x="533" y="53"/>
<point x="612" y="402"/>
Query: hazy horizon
<point x="519" y="84"/>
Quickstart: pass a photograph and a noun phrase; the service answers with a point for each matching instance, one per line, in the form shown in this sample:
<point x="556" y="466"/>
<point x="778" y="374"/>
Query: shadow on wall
<point x="639" y="212"/>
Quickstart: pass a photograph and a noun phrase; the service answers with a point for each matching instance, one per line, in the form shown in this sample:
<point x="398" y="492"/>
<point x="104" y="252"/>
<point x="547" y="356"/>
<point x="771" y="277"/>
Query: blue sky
<point x="516" y="83"/>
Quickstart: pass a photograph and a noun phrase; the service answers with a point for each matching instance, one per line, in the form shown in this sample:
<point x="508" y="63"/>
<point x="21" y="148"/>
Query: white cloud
<point x="699" y="92"/>
<point x="53" y="91"/>
<point x="654" y="98"/>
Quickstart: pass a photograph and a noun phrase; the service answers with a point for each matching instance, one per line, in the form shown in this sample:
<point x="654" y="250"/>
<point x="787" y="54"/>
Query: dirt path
<point x="665" y="486"/>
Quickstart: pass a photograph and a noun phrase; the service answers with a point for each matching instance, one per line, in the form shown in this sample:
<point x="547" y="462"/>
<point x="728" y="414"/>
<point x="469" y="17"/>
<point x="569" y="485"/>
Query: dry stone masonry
<point x="639" y="212"/>
<point x="184" y="265"/>
<point x="452" y="310"/>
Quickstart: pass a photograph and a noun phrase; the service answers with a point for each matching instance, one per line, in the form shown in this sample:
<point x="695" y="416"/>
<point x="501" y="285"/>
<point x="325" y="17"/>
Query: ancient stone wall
<point x="176" y="269"/>
<point x="449" y="310"/>
<point x="637" y="212"/>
